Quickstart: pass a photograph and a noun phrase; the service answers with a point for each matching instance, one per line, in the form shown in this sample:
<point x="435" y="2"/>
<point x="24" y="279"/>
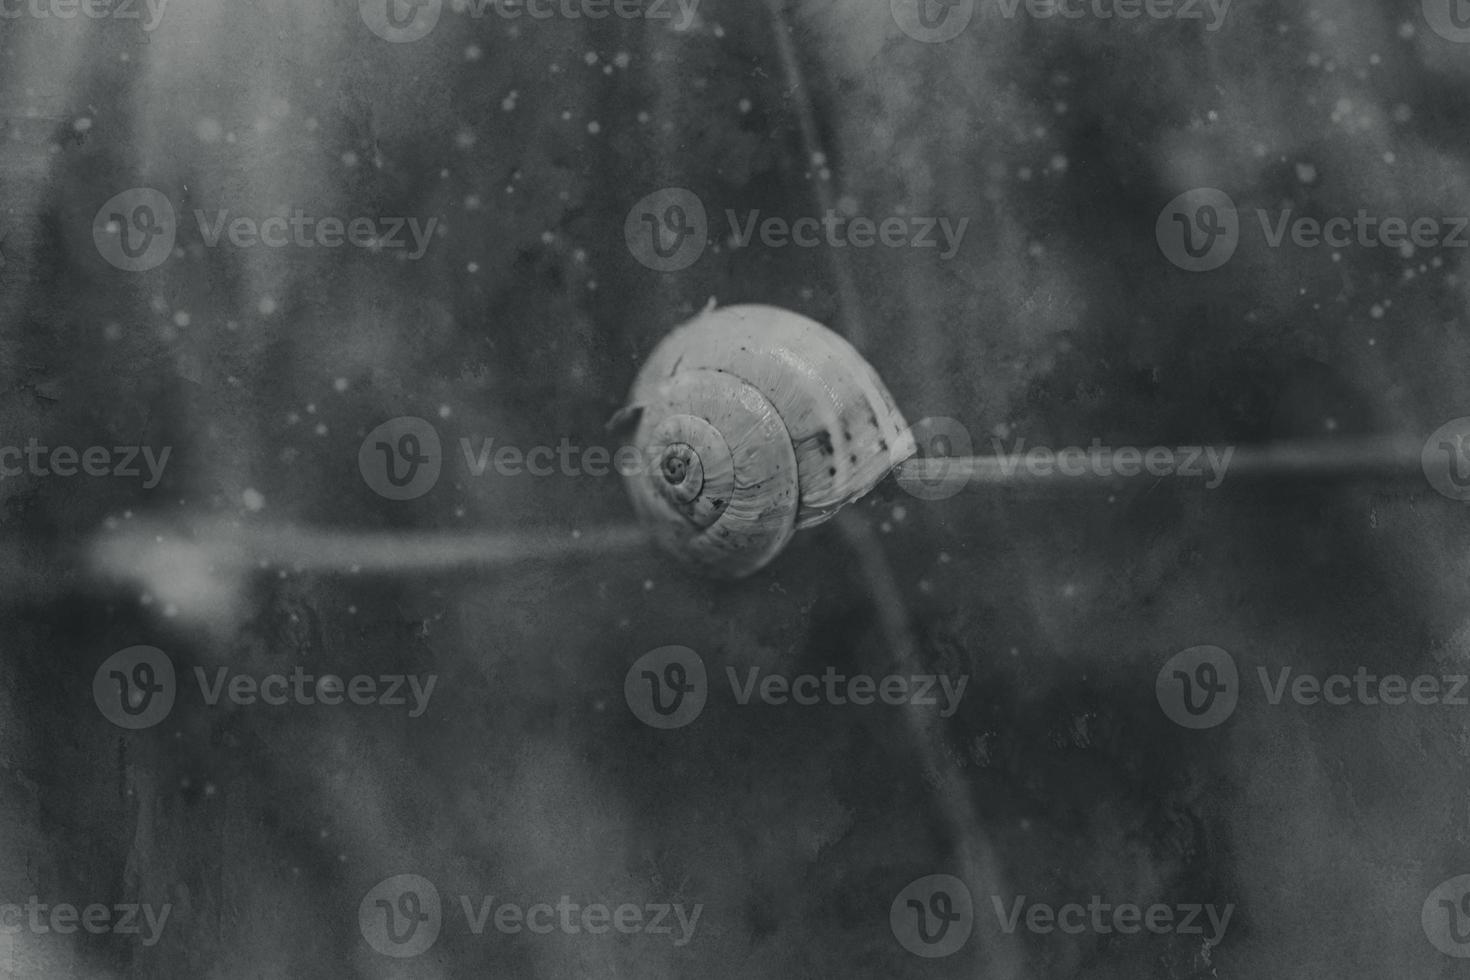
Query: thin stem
<point x="1360" y="458"/>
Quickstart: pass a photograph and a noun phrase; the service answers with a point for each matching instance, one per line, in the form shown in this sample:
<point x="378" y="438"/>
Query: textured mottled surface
<point x="1057" y="322"/>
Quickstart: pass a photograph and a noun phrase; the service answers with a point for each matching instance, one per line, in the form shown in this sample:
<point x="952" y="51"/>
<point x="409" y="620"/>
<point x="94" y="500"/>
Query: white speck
<point x="267" y="306"/>
<point x="321" y="429"/>
<point x="253" y="499"/>
<point x="743" y="105"/>
<point x="82" y="125"/>
<point x="181" y="319"/>
<point x="340" y="385"/>
<point x="648" y="585"/>
<point x="1306" y="173"/>
<point x="444" y="411"/>
<point x="594" y="127"/>
<point x="349" y="159"/>
<point x="472" y="53"/>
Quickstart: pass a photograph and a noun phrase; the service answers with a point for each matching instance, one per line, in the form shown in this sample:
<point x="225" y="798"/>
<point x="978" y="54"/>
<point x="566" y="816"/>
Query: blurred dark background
<point x="1059" y="321"/>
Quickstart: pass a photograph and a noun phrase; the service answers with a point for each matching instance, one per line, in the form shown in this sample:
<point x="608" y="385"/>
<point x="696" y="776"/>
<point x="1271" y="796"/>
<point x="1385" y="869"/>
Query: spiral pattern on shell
<point x="755" y="422"/>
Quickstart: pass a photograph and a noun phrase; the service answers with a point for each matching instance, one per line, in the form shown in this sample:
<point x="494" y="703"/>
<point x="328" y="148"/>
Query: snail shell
<point x="754" y="422"/>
